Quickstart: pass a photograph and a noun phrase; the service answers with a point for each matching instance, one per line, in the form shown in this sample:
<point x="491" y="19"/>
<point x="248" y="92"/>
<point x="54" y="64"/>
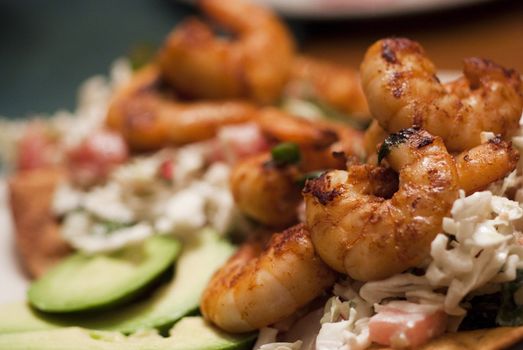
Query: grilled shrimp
<point x="148" y="115"/>
<point x="256" y="65"/>
<point x="265" y="192"/>
<point x="337" y="86"/>
<point x="402" y="90"/>
<point x="360" y="225"/>
<point x="270" y="193"/>
<point x="287" y="274"/>
<point x="493" y="159"/>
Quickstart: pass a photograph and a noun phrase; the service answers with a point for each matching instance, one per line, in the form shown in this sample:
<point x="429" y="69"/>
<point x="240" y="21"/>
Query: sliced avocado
<point x="20" y="317"/>
<point x="198" y="261"/>
<point x="200" y="258"/>
<point x="191" y="333"/>
<point x="194" y="333"/>
<point x="92" y="282"/>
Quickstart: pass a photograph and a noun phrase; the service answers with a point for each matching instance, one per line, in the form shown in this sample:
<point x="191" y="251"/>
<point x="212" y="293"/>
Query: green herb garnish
<point x="286" y="153"/>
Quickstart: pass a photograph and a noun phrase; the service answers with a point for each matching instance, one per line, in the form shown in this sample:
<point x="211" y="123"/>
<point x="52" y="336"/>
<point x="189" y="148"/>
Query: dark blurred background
<point x="49" y="47"/>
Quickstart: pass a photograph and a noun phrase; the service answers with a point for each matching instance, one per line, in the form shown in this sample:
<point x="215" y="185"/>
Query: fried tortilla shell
<point x="38" y="240"/>
<point x="481" y="339"/>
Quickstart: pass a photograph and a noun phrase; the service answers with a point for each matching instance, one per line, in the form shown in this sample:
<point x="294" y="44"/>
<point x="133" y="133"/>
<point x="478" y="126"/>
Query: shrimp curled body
<point x="265" y="192"/>
<point x="360" y="227"/>
<point x="287" y="274"/>
<point x="402" y="90"/>
<point x="149" y="116"/>
<point x="255" y="65"/>
<point x="271" y="194"/>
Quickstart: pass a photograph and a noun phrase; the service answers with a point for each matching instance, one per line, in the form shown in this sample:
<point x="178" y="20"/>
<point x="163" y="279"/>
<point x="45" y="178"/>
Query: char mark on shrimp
<point x="391" y="46"/>
<point x="319" y="188"/>
<point x="419" y="140"/>
<point x="388" y="53"/>
<point x="424" y="141"/>
<point x="400" y="136"/>
<point x="397" y="84"/>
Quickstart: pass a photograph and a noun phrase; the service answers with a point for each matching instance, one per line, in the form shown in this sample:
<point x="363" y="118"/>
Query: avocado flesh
<point x="191" y="333"/>
<point x="20" y="317"/>
<point x="195" y="266"/>
<point x="200" y="258"/>
<point x="92" y="282"/>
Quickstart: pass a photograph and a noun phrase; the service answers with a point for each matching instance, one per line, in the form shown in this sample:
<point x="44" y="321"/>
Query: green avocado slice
<point x="191" y="333"/>
<point x="21" y="317"/>
<point x="200" y="257"/>
<point x="92" y="282"/>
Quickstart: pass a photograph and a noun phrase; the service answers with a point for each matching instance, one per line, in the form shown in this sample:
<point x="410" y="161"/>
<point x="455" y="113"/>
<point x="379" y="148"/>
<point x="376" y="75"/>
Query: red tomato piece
<point x="166" y="170"/>
<point x="92" y="160"/>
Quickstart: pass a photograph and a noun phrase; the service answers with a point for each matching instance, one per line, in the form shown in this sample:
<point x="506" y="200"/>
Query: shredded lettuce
<point x="345" y="321"/>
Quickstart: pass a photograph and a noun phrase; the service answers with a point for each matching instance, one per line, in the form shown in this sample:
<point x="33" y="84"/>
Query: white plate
<point x="356" y="8"/>
<point x="13" y="283"/>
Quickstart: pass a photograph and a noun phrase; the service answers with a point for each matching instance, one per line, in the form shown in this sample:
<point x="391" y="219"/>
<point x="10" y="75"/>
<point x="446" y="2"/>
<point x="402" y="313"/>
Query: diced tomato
<point x="93" y="159"/>
<point x="36" y="148"/>
<point x="166" y="170"/>
<point x="235" y="142"/>
<point x="401" y="328"/>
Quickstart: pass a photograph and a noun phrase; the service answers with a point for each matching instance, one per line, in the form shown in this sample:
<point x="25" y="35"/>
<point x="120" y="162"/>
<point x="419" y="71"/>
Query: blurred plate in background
<point x="357" y="8"/>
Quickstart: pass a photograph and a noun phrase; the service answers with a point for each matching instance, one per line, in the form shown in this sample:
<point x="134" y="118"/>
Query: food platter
<point x="214" y="179"/>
